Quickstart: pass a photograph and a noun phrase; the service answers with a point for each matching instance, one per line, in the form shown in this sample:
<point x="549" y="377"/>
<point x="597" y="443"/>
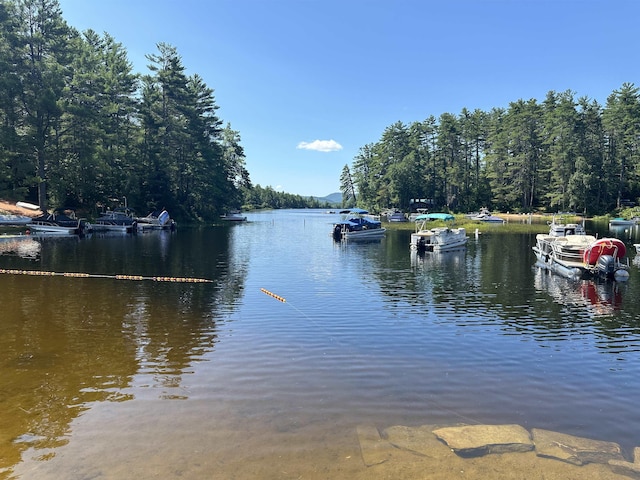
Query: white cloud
<point x="321" y="146"/>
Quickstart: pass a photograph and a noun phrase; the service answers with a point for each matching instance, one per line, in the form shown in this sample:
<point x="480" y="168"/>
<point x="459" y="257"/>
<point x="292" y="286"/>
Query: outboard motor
<point x="606" y="265"/>
<point x="337" y="232"/>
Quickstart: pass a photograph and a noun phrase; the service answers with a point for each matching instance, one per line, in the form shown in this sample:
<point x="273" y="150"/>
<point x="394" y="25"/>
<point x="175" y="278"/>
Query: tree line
<point x="80" y="129"/>
<point x="562" y="154"/>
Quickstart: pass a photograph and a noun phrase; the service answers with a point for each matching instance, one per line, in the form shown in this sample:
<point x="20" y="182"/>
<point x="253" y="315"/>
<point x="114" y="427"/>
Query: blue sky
<point x="307" y="83"/>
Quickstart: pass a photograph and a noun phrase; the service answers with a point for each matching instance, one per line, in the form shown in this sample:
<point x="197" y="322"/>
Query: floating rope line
<point x="116" y="277"/>
<point x="277" y="297"/>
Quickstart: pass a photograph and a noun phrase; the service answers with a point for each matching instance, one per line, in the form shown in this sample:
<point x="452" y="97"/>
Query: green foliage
<point x="79" y="128"/>
<point x="267" y="198"/>
<point x="347" y="188"/>
<point x="561" y="154"/>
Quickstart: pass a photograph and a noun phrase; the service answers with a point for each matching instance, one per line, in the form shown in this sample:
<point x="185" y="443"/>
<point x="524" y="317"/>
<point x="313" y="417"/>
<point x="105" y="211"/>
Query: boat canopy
<point x="355" y="211"/>
<point x="434" y="216"/>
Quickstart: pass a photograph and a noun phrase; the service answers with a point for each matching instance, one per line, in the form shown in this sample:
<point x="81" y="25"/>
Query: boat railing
<point x="567" y="251"/>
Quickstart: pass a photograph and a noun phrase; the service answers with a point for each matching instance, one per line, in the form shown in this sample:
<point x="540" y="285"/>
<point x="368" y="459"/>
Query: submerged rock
<point x="417" y="440"/>
<point x="576" y="450"/>
<point x="374" y="449"/>
<point x="478" y="440"/>
<point x="628" y="469"/>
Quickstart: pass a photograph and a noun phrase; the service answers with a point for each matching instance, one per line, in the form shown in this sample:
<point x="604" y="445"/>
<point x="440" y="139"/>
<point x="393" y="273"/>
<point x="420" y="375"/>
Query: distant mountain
<point x="332" y="198"/>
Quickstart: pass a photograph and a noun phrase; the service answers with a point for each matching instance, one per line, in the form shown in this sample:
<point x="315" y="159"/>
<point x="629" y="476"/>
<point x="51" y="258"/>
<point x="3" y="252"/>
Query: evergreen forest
<point x="561" y="154"/>
<point x="80" y="129"/>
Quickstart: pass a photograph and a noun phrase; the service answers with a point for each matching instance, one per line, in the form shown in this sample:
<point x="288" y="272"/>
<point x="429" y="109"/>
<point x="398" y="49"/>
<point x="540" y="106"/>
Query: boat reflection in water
<point x="20" y="245"/>
<point x="600" y="297"/>
<point x="424" y="260"/>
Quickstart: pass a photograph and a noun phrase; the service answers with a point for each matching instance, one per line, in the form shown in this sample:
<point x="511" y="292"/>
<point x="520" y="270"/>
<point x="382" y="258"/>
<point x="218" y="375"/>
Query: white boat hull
<point x="150" y="222"/>
<point x="27" y="205"/>
<point x="439" y="239"/>
<point x="364" y="234"/>
<point x="357" y="224"/>
<point x="16" y="220"/>
<point x="52" y="229"/>
<point x="233" y="218"/>
<point x="103" y="227"/>
<point x="560" y="268"/>
<point x="622" y="223"/>
<point x="574" y="256"/>
<point x="149" y="226"/>
<point x="57" y="224"/>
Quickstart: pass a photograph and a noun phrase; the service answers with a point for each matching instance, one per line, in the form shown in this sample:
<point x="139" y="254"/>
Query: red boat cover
<point x="604" y="246"/>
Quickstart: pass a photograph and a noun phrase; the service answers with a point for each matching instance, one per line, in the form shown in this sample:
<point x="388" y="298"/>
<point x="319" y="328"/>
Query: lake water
<point x="106" y="377"/>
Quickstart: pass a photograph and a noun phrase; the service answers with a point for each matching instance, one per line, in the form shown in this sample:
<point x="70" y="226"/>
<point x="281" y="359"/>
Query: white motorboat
<point x="57" y="224"/>
<point x="395" y="216"/>
<point x="437" y="239"/>
<point x="574" y="256"/>
<point x="233" y="217"/>
<point x="559" y="228"/>
<point x="485" y="216"/>
<point x="621" y="222"/>
<point x="115" y="221"/>
<point x="14" y="220"/>
<point x="357" y="225"/>
<point x="156" y="221"/>
<point x="27" y="205"/>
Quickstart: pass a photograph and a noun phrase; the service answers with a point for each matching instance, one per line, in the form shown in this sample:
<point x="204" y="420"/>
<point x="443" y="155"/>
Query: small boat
<point x="574" y="256"/>
<point x="357" y="225"/>
<point x="559" y="228"/>
<point x="621" y="222"/>
<point x="14" y="220"/>
<point x="28" y="206"/>
<point x="58" y="224"/>
<point x="156" y="221"/>
<point x="395" y="216"/>
<point x="438" y="239"/>
<point x="119" y="220"/>
<point x="233" y="217"/>
<point x="485" y="216"/>
<point x="419" y="211"/>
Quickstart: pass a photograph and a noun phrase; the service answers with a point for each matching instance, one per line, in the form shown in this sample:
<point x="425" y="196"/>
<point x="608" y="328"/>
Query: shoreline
<point x="8" y="208"/>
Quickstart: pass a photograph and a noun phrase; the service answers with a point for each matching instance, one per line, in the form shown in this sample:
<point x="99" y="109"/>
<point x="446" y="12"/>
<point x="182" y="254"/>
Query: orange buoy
<point x="271" y="294"/>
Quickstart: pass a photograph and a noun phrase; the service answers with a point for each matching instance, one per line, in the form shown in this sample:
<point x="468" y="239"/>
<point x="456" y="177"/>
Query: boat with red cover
<point x="576" y="256"/>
